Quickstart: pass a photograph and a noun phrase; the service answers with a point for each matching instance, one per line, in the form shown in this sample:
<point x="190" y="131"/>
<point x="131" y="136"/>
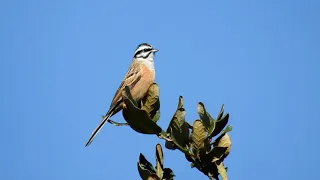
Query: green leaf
<point x="220" y="124"/>
<point x="228" y="129"/>
<point x="203" y="115"/>
<point x="180" y="103"/>
<point x="198" y="136"/>
<point x="145" y="163"/>
<point x="178" y="125"/>
<point x="222" y="171"/>
<point x="223" y="141"/>
<point x="216" y="154"/>
<point x="156" y="117"/>
<point x="137" y="119"/>
<point x="144" y="173"/>
<point x="212" y="127"/>
<point x="183" y="149"/>
<point x="151" y="102"/>
<point x="179" y="129"/>
<point x="127" y="94"/>
<point x="159" y="161"/>
<point x="221" y="112"/>
<point x="145" y="168"/>
<point x="225" y="131"/>
<point x="159" y="155"/>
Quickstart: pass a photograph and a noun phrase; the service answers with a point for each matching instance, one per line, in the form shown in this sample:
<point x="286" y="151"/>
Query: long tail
<point x="95" y="132"/>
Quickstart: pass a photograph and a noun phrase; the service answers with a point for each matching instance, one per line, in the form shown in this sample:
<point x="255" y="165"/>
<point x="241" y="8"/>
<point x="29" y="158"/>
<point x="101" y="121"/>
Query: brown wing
<point x="131" y="78"/>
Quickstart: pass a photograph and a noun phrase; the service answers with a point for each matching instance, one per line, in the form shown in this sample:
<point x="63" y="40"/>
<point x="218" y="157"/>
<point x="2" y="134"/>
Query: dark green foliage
<point x="196" y="141"/>
<point x="147" y="171"/>
<point x="204" y="153"/>
<point x="142" y="120"/>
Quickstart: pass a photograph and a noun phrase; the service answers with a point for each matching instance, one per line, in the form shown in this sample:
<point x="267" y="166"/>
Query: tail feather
<point x="95" y="132"/>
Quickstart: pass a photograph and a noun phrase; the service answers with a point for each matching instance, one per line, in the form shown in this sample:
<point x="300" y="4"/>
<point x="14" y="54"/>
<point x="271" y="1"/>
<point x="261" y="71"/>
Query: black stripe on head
<point x="143" y="50"/>
<point x="144" y="44"/>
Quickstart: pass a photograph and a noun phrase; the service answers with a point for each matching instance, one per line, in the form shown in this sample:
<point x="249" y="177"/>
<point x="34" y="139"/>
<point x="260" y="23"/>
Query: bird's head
<point x="144" y="52"/>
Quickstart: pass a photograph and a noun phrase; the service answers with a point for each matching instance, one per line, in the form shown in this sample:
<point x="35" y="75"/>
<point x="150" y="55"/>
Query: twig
<point x="117" y="124"/>
<point x="164" y="136"/>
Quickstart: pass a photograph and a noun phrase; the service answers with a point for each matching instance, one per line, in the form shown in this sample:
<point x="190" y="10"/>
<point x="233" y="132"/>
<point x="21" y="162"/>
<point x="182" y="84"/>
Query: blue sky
<point x="61" y="62"/>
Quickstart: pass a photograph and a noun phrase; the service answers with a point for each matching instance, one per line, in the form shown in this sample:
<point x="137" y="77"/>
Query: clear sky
<point x="62" y="60"/>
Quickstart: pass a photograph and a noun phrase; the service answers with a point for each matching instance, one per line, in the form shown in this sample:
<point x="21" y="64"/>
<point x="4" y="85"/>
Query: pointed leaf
<point x="228" y="129"/>
<point x="127" y="94"/>
<point x="223" y="141"/>
<point x="145" y="163"/>
<point x="159" y="172"/>
<point x="159" y="161"/>
<point x="198" y="135"/>
<point x="225" y="131"/>
<point x="151" y="102"/>
<point x="212" y="127"/>
<point x="179" y="128"/>
<point x="144" y="173"/>
<point x="180" y="104"/>
<point x="159" y="155"/>
<point x="220" y="124"/>
<point x="221" y="112"/>
<point x="137" y="119"/>
<point x="145" y="168"/>
<point x="203" y="115"/>
<point x="156" y="117"/>
<point x="222" y="171"/>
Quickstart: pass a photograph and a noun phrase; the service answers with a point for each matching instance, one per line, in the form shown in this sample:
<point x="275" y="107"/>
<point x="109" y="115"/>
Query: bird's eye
<point x="143" y="51"/>
<point x="146" y="50"/>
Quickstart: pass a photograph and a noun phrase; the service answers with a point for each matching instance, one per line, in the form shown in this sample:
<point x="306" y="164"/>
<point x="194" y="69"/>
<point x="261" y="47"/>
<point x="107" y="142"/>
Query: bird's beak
<point x="155" y="50"/>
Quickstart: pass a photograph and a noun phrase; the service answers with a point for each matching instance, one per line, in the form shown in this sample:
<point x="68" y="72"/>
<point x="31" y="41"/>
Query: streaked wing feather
<point x="131" y="78"/>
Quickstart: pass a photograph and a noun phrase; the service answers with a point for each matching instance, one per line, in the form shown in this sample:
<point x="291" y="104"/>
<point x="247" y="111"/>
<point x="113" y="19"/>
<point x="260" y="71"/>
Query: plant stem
<point x="117" y="124"/>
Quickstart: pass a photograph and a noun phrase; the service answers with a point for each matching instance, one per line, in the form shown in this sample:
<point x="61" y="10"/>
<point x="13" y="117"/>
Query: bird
<point x="139" y="77"/>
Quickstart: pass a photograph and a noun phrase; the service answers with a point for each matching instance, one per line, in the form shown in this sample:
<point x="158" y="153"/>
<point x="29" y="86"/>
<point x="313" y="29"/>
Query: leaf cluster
<point x="148" y="172"/>
<point x="196" y="141"/>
